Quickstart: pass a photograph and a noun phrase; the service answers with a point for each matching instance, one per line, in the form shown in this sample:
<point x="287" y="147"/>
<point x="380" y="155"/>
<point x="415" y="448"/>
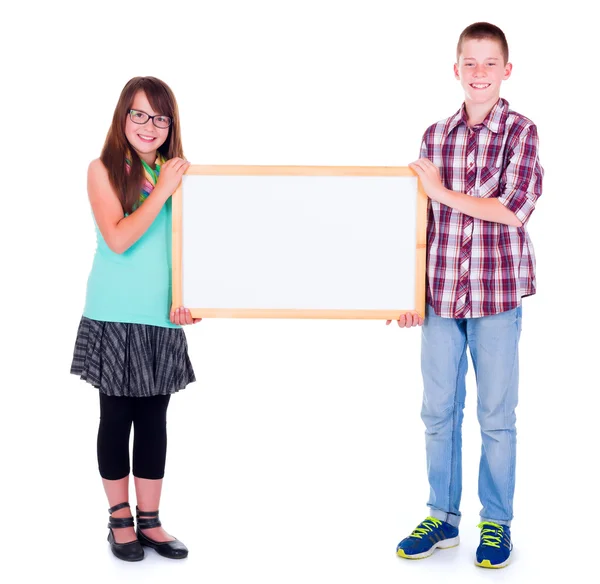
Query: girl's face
<point x="145" y="138"/>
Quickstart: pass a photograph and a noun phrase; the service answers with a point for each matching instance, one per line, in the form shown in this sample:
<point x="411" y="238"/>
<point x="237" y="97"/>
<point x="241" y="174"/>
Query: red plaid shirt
<point x="475" y="267"/>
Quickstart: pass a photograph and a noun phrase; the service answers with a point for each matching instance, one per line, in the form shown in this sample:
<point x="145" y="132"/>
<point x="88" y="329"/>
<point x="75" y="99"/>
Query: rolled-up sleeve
<point x="522" y="180"/>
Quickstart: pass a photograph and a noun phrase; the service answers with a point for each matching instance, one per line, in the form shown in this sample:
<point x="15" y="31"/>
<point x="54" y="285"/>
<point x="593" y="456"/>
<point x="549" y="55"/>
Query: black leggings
<point x="149" y="418"/>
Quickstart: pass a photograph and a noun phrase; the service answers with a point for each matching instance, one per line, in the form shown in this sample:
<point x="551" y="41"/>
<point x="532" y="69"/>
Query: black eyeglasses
<point x="140" y="117"/>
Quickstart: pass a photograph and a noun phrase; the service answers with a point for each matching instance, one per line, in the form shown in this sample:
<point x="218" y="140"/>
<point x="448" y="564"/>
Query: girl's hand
<point x="170" y="175"/>
<point x="183" y="316"/>
<point x="407" y="320"/>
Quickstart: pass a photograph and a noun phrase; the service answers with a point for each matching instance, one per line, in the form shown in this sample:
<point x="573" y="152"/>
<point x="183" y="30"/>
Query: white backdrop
<point x="298" y="456"/>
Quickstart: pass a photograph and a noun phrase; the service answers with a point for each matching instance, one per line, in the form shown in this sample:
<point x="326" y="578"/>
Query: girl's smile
<point x="148" y="139"/>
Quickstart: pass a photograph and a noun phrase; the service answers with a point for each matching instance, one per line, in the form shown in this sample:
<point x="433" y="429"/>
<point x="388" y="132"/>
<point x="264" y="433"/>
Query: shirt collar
<point x="494" y="121"/>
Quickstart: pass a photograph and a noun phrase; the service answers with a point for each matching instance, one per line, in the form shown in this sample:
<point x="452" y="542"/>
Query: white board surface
<point x="298" y="243"/>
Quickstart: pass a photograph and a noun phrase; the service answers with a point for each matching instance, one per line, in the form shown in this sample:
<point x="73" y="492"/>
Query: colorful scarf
<point x="150" y="176"/>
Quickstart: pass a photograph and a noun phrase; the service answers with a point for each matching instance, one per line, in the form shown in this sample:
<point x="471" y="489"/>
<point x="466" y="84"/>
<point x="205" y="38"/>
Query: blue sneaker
<point x="495" y="546"/>
<point x="427" y="536"/>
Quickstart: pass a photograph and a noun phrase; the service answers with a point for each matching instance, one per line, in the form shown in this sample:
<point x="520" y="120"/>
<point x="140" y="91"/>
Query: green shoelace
<point x="491" y="537"/>
<point x="429" y="524"/>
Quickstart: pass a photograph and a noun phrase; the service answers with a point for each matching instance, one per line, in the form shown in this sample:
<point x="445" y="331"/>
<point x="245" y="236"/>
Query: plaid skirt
<point x="131" y="360"/>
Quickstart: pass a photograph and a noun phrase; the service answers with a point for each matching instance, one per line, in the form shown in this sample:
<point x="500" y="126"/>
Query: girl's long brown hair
<point x="116" y="147"/>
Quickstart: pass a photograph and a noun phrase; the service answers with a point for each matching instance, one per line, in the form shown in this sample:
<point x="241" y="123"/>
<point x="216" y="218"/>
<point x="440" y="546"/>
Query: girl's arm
<point x="120" y="232"/>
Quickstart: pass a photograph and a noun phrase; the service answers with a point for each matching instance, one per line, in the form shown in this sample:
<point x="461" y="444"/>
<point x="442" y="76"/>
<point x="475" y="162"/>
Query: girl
<point x="128" y="345"/>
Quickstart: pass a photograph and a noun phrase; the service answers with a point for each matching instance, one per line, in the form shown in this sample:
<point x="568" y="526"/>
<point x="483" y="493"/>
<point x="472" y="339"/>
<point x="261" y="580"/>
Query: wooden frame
<point x="286" y="171"/>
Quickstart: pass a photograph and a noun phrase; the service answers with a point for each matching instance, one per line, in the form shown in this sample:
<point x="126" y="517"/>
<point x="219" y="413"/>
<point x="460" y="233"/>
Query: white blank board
<point x="297" y="246"/>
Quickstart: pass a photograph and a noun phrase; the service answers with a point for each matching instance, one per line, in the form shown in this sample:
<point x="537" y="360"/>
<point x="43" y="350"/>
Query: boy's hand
<point x="183" y="316"/>
<point x="408" y="319"/>
<point x="429" y="175"/>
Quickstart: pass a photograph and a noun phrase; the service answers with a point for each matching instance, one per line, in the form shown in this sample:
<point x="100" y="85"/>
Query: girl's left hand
<point x="183" y="316"/>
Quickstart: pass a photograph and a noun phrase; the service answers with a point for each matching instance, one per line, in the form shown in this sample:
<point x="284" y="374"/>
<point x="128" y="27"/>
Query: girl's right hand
<point x="170" y="175"/>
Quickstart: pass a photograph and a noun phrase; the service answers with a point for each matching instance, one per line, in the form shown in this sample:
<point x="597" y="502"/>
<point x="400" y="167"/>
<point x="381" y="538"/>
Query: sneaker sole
<point x="442" y="545"/>
<point x="488" y="564"/>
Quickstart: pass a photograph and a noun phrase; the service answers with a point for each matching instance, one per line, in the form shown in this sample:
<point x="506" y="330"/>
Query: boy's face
<point x="481" y="70"/>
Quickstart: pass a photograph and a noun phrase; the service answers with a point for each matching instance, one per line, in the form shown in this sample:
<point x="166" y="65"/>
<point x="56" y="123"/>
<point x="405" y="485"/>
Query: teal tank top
<point x="134" y="286"/>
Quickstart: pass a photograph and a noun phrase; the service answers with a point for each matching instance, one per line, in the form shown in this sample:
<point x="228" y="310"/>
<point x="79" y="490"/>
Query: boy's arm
<point x="523" y="176"/>
<point x="486" y="209"/>
<point x="514" y="205"/>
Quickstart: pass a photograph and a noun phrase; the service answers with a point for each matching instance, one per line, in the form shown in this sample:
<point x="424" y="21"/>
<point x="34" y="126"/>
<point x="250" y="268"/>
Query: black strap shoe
<point x="175" y="550"/>
<point x="131" y="551"/>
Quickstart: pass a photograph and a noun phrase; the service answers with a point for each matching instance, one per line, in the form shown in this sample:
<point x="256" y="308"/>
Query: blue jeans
<point x="493" y="343"/>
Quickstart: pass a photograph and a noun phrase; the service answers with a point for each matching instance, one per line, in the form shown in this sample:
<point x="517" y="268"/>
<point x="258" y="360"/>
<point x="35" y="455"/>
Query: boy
<point x="481" y="171"/>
